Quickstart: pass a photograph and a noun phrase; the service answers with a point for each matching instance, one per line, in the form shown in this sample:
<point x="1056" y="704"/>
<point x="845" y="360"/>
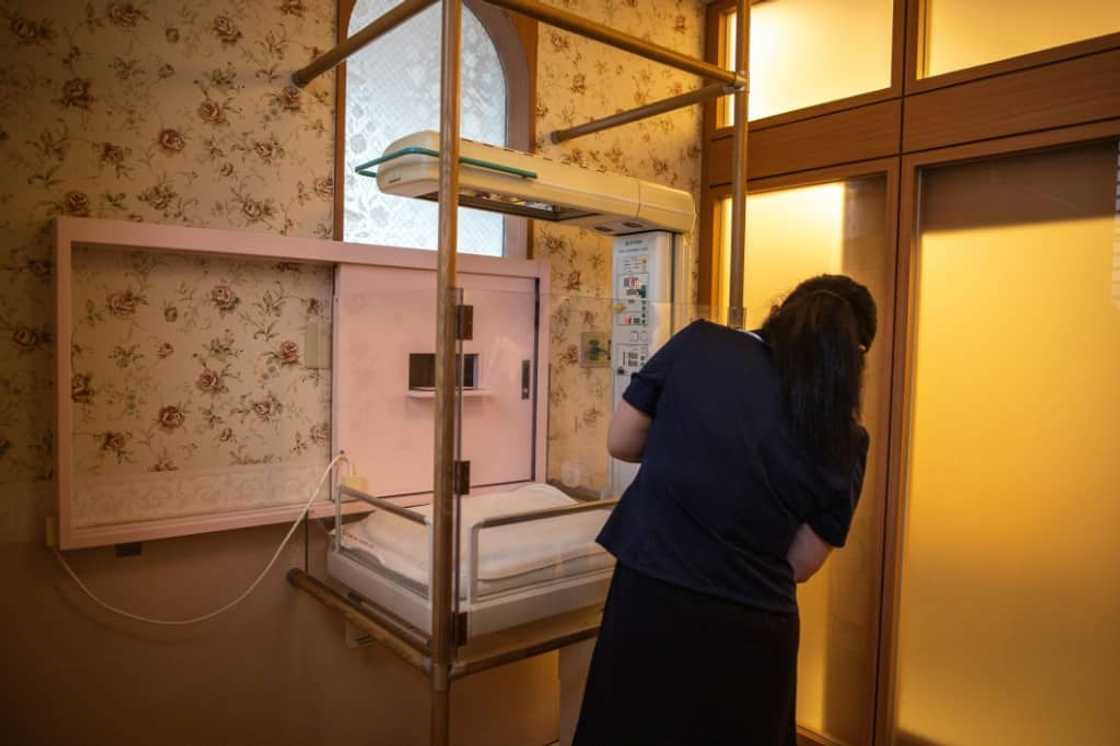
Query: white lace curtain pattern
<point x="392" y="89"/>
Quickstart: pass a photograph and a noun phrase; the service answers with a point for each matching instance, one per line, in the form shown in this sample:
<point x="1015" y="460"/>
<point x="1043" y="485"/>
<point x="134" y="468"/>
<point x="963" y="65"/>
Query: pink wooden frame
<point x="69" y="231"/>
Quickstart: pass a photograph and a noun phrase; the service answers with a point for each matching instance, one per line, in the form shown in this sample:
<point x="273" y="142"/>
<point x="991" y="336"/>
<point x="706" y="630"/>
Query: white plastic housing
<point x="607" y="203"/>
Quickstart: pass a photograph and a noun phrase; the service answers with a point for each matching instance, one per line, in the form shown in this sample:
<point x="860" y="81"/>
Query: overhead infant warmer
<point x="525" y="550"/>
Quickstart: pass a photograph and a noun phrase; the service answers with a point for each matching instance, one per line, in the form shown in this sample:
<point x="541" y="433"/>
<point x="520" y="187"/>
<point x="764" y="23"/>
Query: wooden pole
<point x="735" y="315"/>
<point x="600" y="32"/>
<point x="447" y="301"/>
<point x="335" y="56"/>
<point x="643" y="112"/>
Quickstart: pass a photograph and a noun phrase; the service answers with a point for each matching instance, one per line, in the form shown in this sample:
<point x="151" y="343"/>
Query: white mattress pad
<point x="504" y="551"/>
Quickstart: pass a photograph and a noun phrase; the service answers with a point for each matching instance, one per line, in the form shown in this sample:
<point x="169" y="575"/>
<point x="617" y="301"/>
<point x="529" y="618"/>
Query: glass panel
<point x="958" y="33"/>
<point x="793" y="234"/>
<point x="798" y="58"/>
<point x="392" y="90"/>
<point x="1010" y="607"/>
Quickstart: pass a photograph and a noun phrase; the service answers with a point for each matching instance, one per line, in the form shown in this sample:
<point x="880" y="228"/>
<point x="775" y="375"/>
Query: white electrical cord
<point x="245" y="594"/>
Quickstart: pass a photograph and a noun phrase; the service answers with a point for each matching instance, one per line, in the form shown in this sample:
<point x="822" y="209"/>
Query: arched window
<point x="391" y="89"/>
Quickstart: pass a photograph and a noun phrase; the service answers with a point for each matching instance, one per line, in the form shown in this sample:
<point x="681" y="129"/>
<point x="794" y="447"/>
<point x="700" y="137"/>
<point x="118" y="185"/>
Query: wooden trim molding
<point x="1070" y="92"/>
<point x="850" y="136"/>
<point x="515" y="39"/>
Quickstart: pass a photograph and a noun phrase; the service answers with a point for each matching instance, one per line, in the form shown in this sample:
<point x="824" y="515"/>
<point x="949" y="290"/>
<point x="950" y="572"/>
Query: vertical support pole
<point x="446" y="326"/>
<point x="736" y="316"/>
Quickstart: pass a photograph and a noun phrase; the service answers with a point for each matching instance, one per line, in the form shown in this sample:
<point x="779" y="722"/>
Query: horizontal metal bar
<point x="643" y="112"/>
<point x="332" y="599"/>
<point x="513" y="653"/>
<point x="363" y="168"/>
<point x="409" y="633"/>
<point x="533" y="515"/>
<point x="607" y="35"/>
<point x="379" y="27"/>
<point x="524" y="517"/>
<point x="377" y="502"/>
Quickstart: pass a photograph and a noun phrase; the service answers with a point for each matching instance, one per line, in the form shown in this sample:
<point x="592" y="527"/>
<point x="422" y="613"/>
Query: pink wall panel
<point x="384" y="313"/>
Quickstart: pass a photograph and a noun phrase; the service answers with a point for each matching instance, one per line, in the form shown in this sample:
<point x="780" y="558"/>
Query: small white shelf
<point x="431" y="394"/>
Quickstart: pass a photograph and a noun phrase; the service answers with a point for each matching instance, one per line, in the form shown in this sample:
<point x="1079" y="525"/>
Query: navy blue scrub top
<point x="724" y="484"/>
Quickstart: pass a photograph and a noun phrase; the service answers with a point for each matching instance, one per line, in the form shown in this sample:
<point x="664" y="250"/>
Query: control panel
<point x="643" y="316"/>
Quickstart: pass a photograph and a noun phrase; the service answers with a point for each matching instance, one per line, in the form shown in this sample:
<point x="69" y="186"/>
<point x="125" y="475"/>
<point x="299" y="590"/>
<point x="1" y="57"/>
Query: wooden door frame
<point x="902" y="375"/>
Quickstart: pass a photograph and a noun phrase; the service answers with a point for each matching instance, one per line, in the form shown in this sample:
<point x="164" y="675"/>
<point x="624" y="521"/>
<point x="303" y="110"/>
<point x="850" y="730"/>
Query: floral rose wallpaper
<point x="186" y="366"/>
<point x="180" y="111"/>
<point x="580" y="80"/>
<point x="168" y="112"/>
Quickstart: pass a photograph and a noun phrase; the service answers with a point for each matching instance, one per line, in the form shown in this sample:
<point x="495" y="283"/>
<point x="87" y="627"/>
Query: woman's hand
<point x="807" y="553"/>
<point x="627" y="437"/>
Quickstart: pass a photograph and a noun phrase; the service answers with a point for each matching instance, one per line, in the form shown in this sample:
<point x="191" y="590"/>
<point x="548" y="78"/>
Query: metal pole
<point x="735" y="315"/>
<point x="446" y="333"/>
<point x="330" y="598"/>
<point x="599" y="32"/>
<point x="379" y="27"/>
<point x="643" y="112"/>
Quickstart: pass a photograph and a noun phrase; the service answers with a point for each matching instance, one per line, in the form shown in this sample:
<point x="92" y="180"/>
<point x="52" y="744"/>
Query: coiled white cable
<point x="245" y="594"/>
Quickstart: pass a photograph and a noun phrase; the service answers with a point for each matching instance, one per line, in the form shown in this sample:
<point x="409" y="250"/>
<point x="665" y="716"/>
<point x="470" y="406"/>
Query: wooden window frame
<point x="917" y="82"/>
<point x="515" y="39"/>
<point x="1063" y="87"/>
<point x="715" y="30"/>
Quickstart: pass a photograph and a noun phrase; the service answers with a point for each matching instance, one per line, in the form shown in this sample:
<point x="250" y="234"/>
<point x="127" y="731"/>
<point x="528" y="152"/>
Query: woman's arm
<point x="807" y="553"/>
<point x="627" y="437"/>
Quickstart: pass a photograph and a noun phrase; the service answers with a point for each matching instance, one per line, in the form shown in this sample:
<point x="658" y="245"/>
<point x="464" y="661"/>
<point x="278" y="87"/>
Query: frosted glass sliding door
<point x="1010" y="605"/>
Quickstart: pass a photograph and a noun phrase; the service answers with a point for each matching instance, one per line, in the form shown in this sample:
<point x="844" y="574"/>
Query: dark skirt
<point x="677" y="667"/>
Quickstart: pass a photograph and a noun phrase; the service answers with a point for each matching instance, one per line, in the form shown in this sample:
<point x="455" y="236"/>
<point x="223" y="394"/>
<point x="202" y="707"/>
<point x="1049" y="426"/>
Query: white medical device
<point x="504" y="180"/>
<point x="642" y="318"/>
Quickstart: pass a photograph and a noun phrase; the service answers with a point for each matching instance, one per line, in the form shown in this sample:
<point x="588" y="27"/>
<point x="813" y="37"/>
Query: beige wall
<point x="180" y="113"/>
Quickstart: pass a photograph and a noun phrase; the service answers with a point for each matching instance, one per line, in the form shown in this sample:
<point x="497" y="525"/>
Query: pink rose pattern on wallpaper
<point x="169" y="112"/>
<point x="580" y="80"/>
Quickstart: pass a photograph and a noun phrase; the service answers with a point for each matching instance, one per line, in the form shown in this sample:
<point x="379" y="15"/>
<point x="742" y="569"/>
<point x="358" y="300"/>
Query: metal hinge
<point x="462" y="477"/>
<point x="465" y="325"/>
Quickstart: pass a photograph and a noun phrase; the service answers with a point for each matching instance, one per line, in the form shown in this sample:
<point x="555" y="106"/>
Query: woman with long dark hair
<point x="752" y="460"/>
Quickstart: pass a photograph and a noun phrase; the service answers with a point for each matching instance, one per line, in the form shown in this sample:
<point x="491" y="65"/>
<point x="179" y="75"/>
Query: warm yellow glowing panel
<point x="1010" y="617"/>
<point x="809" y="52"/>
<point x="793" y="234"/>
<point x="965" y="33"/>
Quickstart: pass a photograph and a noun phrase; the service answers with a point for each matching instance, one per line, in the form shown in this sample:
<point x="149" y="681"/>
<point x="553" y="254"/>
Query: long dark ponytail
<point x="819" y="335"/>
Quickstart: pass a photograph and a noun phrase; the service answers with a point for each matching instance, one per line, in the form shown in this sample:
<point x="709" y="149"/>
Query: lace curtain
<point x="392" y="89"/>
